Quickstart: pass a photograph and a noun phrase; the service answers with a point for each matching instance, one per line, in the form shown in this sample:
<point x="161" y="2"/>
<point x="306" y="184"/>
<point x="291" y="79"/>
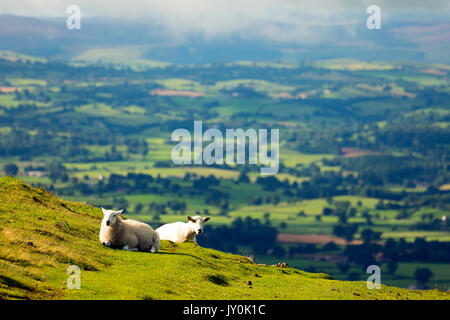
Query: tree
<point x="368" y="235"/>
<point x="301" y="214"/>
<point x="342" y="218"/>
<point x="422" y="275"/>
<point x="330" y="246"/>
<point x="11" y="169"/>
<point x="56" y="171"/>
<point x="352" y="212"/>
<point x="350" y="232"/>
<point x="353" y="276"/>
<point x="346" y="231"/>
<point x="138" y="208"/>
<point x="257" y="200"/>
<point x="279" y="252"/>
<point x="343" y="267"/>
<point x="120" y="202"/>
<point x="243" y="177"/>
<point x="64" y="177"/>
<point x="392" y="267"/>
<point x="327" y="211"/>
<point x="156" y="216"/>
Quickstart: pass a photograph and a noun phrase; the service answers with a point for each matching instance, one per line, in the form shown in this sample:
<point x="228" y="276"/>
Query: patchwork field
<point x="51" y="235"/>
<point x="363" y="146"/>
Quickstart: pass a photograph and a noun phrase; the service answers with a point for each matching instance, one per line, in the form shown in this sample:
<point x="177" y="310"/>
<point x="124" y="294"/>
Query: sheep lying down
<point x="181" y="231"/>
<point x="127" y="234"/>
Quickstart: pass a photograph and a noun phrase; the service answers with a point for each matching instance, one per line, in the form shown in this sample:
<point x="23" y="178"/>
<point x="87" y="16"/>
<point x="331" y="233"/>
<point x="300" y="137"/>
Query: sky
<point x="280" y="20"/>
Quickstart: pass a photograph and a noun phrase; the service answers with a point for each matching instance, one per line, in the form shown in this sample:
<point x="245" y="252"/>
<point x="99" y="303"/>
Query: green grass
<point x="410" y="76"/>
<point x="353" y="65"/>
<point x="20" y="82"/>
<point x="403" y="277"/>
<point x="9" y="101"/>
<point x="120" y="57"/>
<point x="292" y="158"/>
<point x="14" y="56"/>
<point x="262" y="86"/>
<point x="181" y="84"/>
<point x="41" y="235"/>
<point x="412" y="235"/>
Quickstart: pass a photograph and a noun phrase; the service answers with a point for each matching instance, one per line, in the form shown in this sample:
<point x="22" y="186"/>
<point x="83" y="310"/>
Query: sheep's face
<point x="196" y="223"/>
<point x="110" y="217"/>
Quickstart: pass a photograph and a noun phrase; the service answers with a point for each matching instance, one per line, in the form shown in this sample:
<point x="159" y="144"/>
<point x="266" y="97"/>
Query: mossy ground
<point x="41" y="235"/>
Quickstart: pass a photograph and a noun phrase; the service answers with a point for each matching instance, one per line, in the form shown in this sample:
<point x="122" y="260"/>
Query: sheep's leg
<point x="155" y="245"/>
<point x="106" y="244"/>
<point x="154" y="248"/>
<point x="126" y="248"/>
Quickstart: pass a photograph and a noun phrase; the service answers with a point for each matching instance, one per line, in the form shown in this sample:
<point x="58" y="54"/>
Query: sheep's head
<point x="110" y="217"/>
<point x="196" y="223"/>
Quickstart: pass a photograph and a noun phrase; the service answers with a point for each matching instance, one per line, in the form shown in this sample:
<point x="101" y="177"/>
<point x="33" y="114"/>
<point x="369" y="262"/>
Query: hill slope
<point x="41" y="235"/>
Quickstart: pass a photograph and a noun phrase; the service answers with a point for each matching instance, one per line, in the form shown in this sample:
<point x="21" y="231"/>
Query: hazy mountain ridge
<point x="424" y="40"/>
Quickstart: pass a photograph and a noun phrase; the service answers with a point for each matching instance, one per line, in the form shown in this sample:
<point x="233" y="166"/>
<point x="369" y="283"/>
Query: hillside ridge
<point x="41" y="235"/>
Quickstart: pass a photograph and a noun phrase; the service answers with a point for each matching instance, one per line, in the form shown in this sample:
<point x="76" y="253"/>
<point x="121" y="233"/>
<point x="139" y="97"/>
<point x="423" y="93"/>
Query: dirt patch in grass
<point x="354" y="152"/>
<point x="176" y="93"/>
<point x="433" y="72"/>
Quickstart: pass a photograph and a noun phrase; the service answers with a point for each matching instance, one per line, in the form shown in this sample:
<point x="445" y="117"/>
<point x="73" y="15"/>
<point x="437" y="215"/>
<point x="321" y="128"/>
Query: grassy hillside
<point x="41" y="235"/>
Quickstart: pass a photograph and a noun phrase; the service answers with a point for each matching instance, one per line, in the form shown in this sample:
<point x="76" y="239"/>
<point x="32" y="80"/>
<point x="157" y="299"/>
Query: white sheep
<point x="182" y="231"/>
<point x="129" y="235"/>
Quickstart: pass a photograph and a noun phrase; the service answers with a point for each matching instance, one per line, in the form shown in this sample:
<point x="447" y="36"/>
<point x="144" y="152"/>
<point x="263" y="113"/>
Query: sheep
<point x="128" y="235"/>
<point x="182" y="231"/>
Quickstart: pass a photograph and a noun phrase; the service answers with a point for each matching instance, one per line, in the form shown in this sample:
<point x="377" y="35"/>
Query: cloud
<point x="280" y="20"/>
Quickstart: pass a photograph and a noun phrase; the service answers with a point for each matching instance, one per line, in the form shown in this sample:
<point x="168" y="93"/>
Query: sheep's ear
<point x="103" y="210"/>
<point x="119" y="212"/>
<point x="206" y="219"/>
<point x="190" y="218"/>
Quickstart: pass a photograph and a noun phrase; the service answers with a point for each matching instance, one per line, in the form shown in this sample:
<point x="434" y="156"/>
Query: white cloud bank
<point x="281" y="20"/>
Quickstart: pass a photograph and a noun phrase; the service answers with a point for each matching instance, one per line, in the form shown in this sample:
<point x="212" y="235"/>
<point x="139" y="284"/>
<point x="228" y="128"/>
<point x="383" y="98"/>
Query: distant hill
<point x="405" y="40"/>
<point x="41" y="235"/>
